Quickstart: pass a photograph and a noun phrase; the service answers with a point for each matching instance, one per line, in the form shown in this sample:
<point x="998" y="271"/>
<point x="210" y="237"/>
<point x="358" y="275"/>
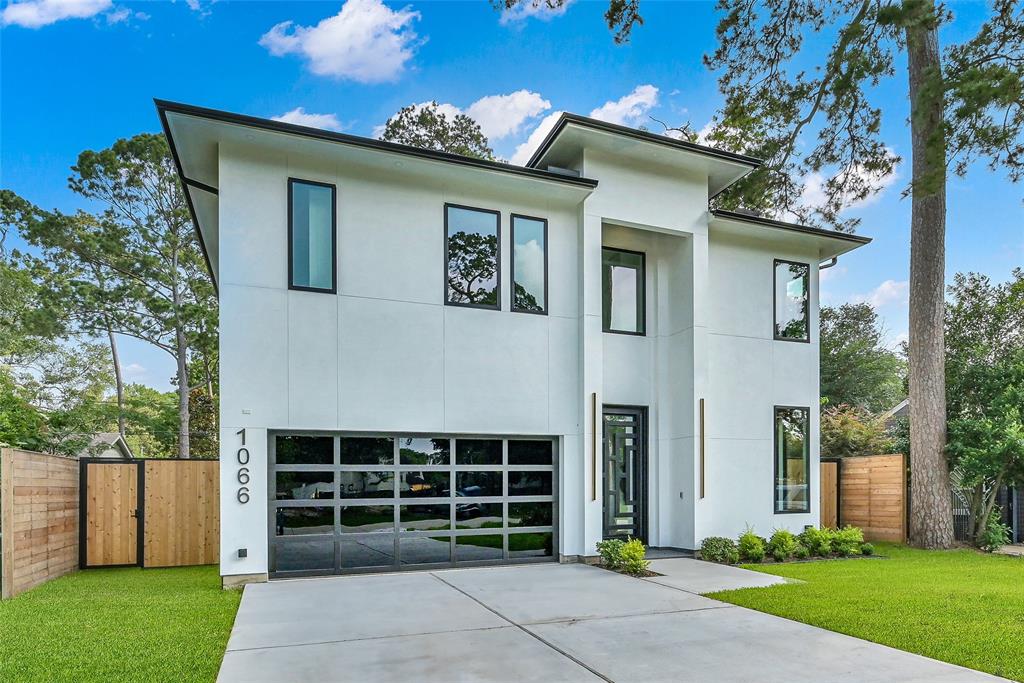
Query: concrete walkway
<point x="545" y="622"/>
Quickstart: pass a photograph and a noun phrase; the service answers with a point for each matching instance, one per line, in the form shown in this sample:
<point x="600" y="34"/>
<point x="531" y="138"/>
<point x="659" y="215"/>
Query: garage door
<point x="348" y="503"/>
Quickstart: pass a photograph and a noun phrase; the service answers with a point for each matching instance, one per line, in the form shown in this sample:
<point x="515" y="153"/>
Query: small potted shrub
<point x="719" y="549"/>
<point x="751" y="547"/>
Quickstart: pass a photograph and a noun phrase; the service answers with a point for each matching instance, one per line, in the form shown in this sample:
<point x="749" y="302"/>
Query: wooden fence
<point x="38" y="519"/>
<point x="150" y="513"/>
<point x="871" y="494"/>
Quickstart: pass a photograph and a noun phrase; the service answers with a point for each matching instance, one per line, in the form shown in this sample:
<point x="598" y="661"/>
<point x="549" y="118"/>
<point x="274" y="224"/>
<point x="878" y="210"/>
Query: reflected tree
<point x="472" y="268"/>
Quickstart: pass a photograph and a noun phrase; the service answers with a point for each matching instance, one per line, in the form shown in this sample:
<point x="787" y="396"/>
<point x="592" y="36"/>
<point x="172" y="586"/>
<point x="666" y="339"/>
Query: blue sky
<point x="80" y="75"/>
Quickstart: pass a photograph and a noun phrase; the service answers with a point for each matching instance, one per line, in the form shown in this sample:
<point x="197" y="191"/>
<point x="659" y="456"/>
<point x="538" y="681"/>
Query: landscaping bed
<point x="119" y="625"/>
<point x="959" y="606"/>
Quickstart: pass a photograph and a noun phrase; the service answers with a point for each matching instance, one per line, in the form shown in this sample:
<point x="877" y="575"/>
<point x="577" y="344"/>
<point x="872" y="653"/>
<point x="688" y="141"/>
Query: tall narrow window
<point x="792" y="460"/>
<point x="529" y="264"/>
<point x="792" y="309"/>
<point x="623" y="281"/>
<point x="472" y="257"/>
<point x="312" y="236"/>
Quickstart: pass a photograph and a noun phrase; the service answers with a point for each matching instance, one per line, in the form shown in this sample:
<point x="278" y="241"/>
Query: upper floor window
<point x="792" y="305"/>
<point x="472" y="256"/>
<point x="792" y="460"/>
<point x="623" y="280"/>
<point x="529" y="264"/>
<point x="312" y="236"/>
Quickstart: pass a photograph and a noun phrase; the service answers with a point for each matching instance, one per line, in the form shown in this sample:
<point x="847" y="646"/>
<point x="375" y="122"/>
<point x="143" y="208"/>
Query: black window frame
<point x="775" y="298"/>
<point x="642" y="293"/>
<point x="512" y="269"/>
<point x="775" y="459"/>
<point x="447" y="302"/>
<point x="334" y="237"/>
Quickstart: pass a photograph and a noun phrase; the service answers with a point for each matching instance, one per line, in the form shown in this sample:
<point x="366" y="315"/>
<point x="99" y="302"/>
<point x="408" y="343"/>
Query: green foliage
<point x="848" y="431"/>
<point x="867" y="549"/>
<point x="801" y="552"/>
<point x="633" y="556"/>
<point x="611" y="552"/>
<point x="751" y="547"/>
<point x="856" y="367"/>
<point x="719" y="549"/>
<point x="995" y="535"/>
<point x="817" y="541"/>
<point x="847" y="541"/>
<point x="427" y="127"/>
<point x="782" y="545"/>
<point x="958" y="606"/>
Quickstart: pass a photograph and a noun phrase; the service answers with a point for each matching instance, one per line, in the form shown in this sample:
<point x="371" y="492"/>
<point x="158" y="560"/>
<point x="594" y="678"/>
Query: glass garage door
<point x="342" y="504"/>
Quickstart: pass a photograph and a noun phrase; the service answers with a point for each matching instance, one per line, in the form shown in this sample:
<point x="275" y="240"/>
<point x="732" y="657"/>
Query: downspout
<point x="828" y="264"/>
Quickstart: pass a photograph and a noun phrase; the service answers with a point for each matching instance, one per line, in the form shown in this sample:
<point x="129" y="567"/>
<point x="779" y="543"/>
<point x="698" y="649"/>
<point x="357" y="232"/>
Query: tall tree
<point x="428" y="127"/>
<point x="856" y="368"/>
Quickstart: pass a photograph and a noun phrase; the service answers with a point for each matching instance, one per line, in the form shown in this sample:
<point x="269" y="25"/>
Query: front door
<point x="625" y="473"/>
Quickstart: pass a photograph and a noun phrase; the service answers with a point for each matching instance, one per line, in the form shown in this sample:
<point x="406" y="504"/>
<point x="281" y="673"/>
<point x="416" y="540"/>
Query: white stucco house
<point x="432" y="360"/>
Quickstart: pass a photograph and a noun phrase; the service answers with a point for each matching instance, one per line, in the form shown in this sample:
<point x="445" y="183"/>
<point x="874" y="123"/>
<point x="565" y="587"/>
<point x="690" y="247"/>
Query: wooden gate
<point x="149" y="513"/>
<point x="829" y="489"/>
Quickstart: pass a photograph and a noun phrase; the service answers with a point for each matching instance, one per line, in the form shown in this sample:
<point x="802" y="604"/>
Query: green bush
<point x="847" y="541"/>
<point x="867" y="549"/>
<point x="995" y="535"/>
<point x="782" y="545"/>
<point x="633" y="556"/>
<point x="751" y="547"/>
<point x="817" y="541"/>
<point x="611" y="552"/>
<point x="801" y="552"/>
<point x="719" y="549"/>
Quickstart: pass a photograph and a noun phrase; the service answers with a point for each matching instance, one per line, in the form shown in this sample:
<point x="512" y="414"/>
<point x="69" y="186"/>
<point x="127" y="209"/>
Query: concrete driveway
<point x="543" y="623"/>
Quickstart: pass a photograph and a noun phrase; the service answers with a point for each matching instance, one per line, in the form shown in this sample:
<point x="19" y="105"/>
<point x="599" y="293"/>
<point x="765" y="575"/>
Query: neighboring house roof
<point x="107" y="445"/>
<point x="901" y="409"/>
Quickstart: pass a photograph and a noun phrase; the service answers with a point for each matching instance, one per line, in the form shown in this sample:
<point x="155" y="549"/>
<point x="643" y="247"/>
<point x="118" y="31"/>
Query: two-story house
<point x="432" y="360"/>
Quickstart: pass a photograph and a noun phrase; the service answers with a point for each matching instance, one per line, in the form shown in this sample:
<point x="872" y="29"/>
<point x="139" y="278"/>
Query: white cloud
<point x="301" y="117"/>
<point x="533" y="9"/>
<point x="833" y="273"/>
<point x="628" y="110"/>
<point x="502" y="115"/>
<point x="39" y="13"/>
<point x="889" y="292"/>
<point x="366" y="41"/>
<point x="813" y="192"/>
<point x="117" y="16"/>
<point x="134" y="372"/>
<point x="896" y="342"/>
<point x="525" y="150"/>
<point x="529" y="259"/>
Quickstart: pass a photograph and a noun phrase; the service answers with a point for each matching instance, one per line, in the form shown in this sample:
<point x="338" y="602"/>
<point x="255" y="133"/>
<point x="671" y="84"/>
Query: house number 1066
<point x="242" y="455"/>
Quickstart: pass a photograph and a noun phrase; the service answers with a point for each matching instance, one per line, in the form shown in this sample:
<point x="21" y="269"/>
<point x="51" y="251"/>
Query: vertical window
<point x="792" y="311"/>
<point x="792" y="460"/>
<point x="529" y="264"/>
<point x="472" y="257"/>
<point x="312" y="236"/>
<point x="623" y="281"/>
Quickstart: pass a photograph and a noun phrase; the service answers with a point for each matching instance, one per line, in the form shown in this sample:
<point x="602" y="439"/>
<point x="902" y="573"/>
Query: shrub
<point x="633" y="556"/>
<point x="801" y="552"/>
<point x="995" y="535"/>
<point x="782" y="545"/>
<point x="817" y="541"/>
<point x="719" y="549"/>
<point x="611" y="552"/>
<point x="751" y="547"/>
<point x="867" y="549"/>
<point x="847" y="540"/>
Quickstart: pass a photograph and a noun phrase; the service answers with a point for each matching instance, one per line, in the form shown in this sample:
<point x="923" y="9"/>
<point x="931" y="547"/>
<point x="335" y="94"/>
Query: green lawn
<point x="118" y="625"/>
<point x="959" y="606"/>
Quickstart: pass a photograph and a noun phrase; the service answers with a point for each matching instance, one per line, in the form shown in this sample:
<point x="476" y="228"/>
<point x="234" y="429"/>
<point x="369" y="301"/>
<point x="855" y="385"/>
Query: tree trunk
<point x="118" y="381"/>
<point x="182" y="358"/>
<point x="931" y="518"/>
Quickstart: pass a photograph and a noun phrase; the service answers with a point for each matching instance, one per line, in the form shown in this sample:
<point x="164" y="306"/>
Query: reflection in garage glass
<point x="367" y="484"/>
<point x="475" y="515"/>
<point x="470" y="484"/>
<point x="367" y="451"/>
<point x="529" y="514"/>
<point x="471" y="548"/>
<point x="305" y="521"/>
<point x="305" y="450"/>
<point x="529" y="483"/>
<point x="529" y="452"/>
<point x="305" y="485"/>
<point x="477" y="452"/>
<point x="424" y="484"/>
<point x="360" y="518"/>
<point x="414" y="451"/>
<point x="425" y="517"/>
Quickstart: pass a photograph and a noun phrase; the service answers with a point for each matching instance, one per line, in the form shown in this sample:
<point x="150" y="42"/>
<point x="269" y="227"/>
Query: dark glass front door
<point x="625" y="473"/>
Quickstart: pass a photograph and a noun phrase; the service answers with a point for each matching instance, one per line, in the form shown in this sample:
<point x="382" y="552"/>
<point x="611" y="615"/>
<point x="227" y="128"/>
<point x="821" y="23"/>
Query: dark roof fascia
<point x="164" y="106"/>
<point x="793" y="227"/>
<point x="642" y="135"/>
<point x="185" y="184"/>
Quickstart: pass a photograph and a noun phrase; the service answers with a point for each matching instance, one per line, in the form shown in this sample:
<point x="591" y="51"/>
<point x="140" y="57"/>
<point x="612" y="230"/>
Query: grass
<point x="959" y="606"/>
<point x="119" y="625"/>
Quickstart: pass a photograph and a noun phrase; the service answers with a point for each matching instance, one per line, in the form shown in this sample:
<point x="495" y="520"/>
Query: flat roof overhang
<point x="195" y="133"/>
<point x="573" y="133"/>
<point x="830" y="243"/>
